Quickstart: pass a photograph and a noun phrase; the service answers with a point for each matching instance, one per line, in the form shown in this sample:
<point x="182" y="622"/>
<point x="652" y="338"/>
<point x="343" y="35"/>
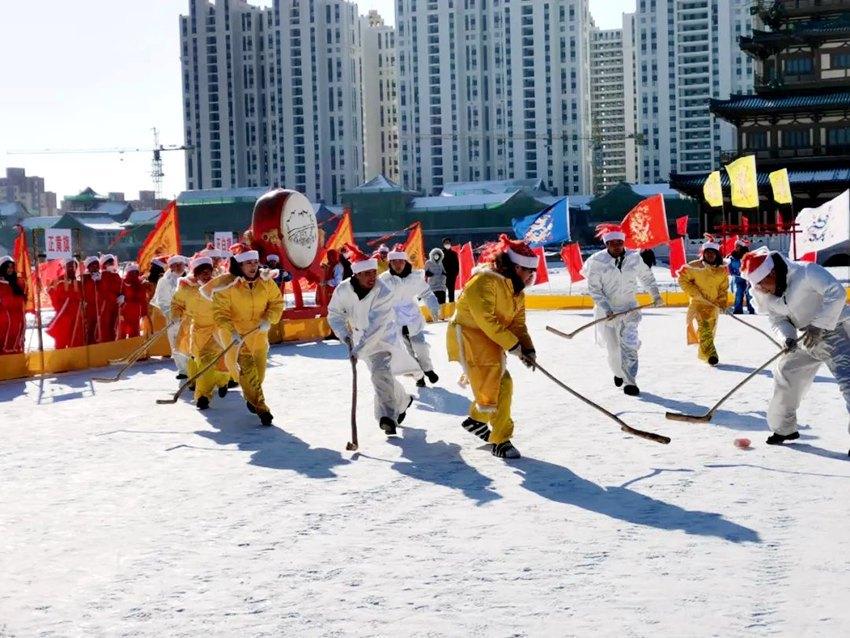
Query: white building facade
<point x="685" y="53"/>
<point x="380" y="97"/>
<point x="608" y="109"/>
<point x="272" y="96"/>
<point x="494" y="90"/>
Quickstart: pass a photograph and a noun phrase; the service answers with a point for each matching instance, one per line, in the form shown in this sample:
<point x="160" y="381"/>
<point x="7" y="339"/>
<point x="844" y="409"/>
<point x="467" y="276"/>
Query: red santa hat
<point x="397" y="252"/>
<point x="359" y="261"/>
<point x="242" y="253"/>
<point x="160" y="260"/>
<point x="200" y="260"/>
<point x="610" y="232"/>
<point x="518" y="252"/>
<point x="68" y="260"/>
<point x="272" y="257"/>
<point x="756" y="265"/>
<point x="743" y="243"/>
<point x="91" y="259"/>
<point x="107" y="257"/>
<point x="710" y="243"/>
<point x="176" y="259"/>
<point x="4" y="259"/>
<point x="131" y="266"/>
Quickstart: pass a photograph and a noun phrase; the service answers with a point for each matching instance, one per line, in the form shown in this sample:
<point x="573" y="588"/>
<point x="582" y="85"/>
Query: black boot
<point x="713" y="360"/>
<point x="632" y="390"/>
<point x="506" y="450"/>
<point x="181" y="376"/>
<point x="387" y="425"/>
<point x="222" y="391"/>
<point x="250" y="407"/>
<point x="203" y="403"/>
<point x="618" y="381"/>
<point x="420" y="383"/>
<point x="265" y="418"/>
<point x="192" y="387"/>
<point x="403" y="415"/>
<point x="779" y="439"/>
<point x="478" y="428"/>
<point x="232" y="384"/>
<point x="432" y="376"/>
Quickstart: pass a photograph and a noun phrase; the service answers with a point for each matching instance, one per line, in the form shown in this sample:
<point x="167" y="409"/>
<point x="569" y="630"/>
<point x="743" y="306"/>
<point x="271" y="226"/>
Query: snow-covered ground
<point x="119" y="516"/>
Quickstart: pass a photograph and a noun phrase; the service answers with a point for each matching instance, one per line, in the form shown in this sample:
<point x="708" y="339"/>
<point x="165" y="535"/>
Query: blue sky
<point x="102" y="74"/>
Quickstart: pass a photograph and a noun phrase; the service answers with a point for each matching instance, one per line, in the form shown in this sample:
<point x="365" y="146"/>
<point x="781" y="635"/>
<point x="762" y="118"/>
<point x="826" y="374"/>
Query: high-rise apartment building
<point x="380" y="98"/>
<point x="494" y="90"/>
<point x="27" y="190"/>
<point x="685" y="53"/>
<point x="608" y="107"/>
<point x="272" y="96"/>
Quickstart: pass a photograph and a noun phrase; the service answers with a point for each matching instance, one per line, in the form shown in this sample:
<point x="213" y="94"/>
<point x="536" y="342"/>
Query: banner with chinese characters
<point x="222" y="241"/>
<point x="57" y="243"/>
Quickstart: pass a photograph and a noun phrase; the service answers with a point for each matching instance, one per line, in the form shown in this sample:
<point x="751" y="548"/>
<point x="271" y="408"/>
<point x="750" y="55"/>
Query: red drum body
<point x="284" y="224"/>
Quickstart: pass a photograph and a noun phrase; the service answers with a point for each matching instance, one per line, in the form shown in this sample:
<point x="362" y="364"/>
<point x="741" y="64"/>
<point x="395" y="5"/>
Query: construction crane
<point x="157" y="174"/>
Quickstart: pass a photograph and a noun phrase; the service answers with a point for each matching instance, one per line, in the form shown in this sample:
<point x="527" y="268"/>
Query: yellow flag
<point x="415" y="246"/>
<point x="344" y="233"/>
<point x="781" y="186"/>
<point x="712" y="190"/>
<point x="742" y="177"/>
<point x="164" y="239"/>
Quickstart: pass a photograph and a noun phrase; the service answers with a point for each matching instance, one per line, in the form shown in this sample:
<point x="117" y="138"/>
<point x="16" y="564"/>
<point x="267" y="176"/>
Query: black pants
<point x="450" y="284"/>
<point x="441" y="296"/>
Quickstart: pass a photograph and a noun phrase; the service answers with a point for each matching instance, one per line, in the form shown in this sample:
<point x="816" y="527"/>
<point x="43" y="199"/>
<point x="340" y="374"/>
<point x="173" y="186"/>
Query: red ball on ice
<point x="742" y="443"/>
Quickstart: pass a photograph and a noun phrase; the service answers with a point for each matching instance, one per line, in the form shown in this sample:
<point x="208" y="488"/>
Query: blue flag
<point x="549" y="226"/>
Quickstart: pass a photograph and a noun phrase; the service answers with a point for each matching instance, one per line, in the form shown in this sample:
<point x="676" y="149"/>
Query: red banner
<point x="729" y="245"/>
<point x="344" y="233"/>
<point x="415" y="247"/>
<point x="646" y="224"/>
<point x="542" y="276"/>
<point x="466" y="262"/>
<point x="677" y="256"/>
<point x="571" y="256"/>
<point x="682" y="226"/>
<point x="810" y="257"/>
<point x="780" y="222"/>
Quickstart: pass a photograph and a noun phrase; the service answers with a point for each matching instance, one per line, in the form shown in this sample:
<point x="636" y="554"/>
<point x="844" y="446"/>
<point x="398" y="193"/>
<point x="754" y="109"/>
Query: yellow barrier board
<point x="13" y="366"/>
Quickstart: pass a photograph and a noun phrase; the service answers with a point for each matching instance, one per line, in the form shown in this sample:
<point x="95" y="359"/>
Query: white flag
<point x="825" y="226"/>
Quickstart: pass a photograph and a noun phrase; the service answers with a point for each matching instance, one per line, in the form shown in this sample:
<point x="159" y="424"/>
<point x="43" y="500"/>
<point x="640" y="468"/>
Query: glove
<point x="729" y="310"/>
<point x="790" y="345"/>
<point x="813" y="336"/>
<point x="235" y="336"/>
<point x="120" y="299"/>
<point x="351" y="354"/>
<point x="529" y="358"/>
<point x="657" y="302"/>
<point x="265" y="326"/>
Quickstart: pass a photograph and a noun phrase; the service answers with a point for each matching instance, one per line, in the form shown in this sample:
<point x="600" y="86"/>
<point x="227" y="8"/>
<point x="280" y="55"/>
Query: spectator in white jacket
<point x="800" y="298"/>
<point x="612" y="275"/>
<point x="165" y="289"/>
<point x="408" y="286"/>
<point x="361" y="314"/>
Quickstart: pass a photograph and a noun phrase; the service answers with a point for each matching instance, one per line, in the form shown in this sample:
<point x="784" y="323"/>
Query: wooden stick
<point x="705" y="418"/>
<point x="133" y="357"/>
<point x="746" y="323"/>
<point x="353" y="445"/>
<point x="570" y="335"/>
<point x="625" y="427"/>
<point x="200" y="372"/>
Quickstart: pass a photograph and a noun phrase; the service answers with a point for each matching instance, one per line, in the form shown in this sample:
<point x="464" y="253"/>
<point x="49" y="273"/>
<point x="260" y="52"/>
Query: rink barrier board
<point x="17" y="366"/>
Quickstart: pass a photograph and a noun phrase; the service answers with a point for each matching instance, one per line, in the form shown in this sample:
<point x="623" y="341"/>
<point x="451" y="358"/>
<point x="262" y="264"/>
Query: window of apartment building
<point x="797" y="138"/>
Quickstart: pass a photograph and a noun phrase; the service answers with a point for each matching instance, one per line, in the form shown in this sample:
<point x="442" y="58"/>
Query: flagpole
<point x="38" y="322"/>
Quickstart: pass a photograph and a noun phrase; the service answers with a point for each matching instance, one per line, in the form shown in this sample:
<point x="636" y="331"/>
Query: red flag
<point x="344" y="233"/>
<point x="745" y="224"/>
<point x="780" y="223"/>
<point x="677" y="255"/>
<point x="646" y="224"/>
<point x="21" y="255"/>
<point x="810" y="257"/>
<point x="682" y="225"/>
<point x="571" y="256"/>
<point x="121" y="235"/>
<point x="542" y="271"/>
<point x="466" y="261"/>
<point x="164" y="239"/>
<point x="729" y="244"/>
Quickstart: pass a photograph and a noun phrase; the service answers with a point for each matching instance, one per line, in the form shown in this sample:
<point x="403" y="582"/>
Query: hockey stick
<point x="651" y="436"/>
<point x="133" y="357"/>
<point x="746" y="323"/>
<point x="200" y="372"/>
<point x="570" y="335"/>
<point x="705" y="418"/>
<point x="352" y="445"/>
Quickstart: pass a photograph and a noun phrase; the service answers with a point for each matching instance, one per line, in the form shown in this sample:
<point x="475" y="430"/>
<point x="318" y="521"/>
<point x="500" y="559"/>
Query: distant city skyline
<point x="108" y="87"/>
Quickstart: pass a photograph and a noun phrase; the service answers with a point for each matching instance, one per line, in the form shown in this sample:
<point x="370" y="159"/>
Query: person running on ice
<point x="361" y="314"/>
<point x="489" y="321"/>
<point x="612" y="275"/>
<point x="739" y="285"/>
<point x="246" y="303"/>
<point x="409" y="286"/>
<point x="800" y="298"/>
<point x="706" y="282"/>
<point x="198" y="342"/>
<point x="165" y="289"/>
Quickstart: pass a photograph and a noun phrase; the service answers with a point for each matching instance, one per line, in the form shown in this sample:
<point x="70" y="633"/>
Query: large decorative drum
<point x="284" y="223"/>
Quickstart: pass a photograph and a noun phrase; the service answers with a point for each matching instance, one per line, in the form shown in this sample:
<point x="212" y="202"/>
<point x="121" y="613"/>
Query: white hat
<point x="397" y="254"/>
<point x="131" y="266"/>
<point x="610" y="232"/>
<point x="756" y="265"/>
<point x="197" y="262"/>
<point x="91" y="259"/>
<point x="248" y="255"/>
<point x="177" y="259"/>
<point x="272" y="257"/>
<point x="363" y="265"/>
<point x="4" y="259"/>
<point x="106" y="257"/>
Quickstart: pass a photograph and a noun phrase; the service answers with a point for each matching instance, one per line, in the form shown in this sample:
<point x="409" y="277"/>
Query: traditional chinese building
<point x="799" y="116"/>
